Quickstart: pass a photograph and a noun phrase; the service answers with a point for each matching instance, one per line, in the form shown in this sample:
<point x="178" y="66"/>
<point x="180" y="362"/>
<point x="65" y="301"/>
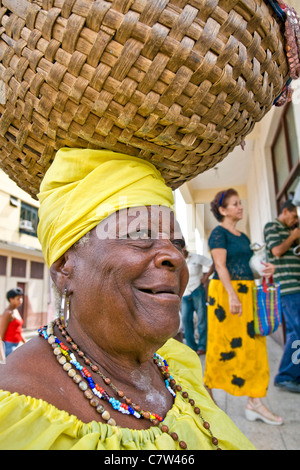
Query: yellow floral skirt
<point x="236" y="359"/>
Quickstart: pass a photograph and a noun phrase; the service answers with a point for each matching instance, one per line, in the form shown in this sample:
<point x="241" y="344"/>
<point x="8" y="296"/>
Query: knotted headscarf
<point x="83" y="186"/>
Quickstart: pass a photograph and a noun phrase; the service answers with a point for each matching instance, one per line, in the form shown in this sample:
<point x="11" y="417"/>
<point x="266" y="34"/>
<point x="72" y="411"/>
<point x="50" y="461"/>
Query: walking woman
<point x="11" y="322"/>
<point x="236" y="359"/>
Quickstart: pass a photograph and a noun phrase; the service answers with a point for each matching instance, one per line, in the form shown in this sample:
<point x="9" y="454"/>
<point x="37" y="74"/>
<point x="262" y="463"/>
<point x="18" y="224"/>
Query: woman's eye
<point x="139" y="235"/>
<point x="179" y="243"/>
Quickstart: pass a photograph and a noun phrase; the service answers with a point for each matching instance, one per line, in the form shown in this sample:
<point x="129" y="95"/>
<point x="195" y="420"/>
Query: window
<point x="285" y="157"/>
<point x="28" y="219"/>
<point x="18" y="267"/>
<point x="36" y="270"/>
<point x="3" y="263"/>
<point x="14" y="201"/>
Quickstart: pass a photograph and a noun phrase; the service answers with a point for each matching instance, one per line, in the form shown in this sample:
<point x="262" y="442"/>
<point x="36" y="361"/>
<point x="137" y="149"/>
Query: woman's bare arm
<point x="219" y="256"/>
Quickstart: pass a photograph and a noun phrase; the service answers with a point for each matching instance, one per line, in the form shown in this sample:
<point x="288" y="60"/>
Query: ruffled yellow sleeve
<point x="30" y="424"/>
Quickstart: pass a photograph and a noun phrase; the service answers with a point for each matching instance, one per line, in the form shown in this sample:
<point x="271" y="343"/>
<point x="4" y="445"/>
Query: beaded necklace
<point x="94" y="392"/>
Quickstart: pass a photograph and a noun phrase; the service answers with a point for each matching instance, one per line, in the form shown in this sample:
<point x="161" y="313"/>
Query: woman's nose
<point x="168" y="255"/>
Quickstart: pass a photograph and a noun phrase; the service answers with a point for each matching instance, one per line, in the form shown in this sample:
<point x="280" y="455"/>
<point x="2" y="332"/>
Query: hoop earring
<point x="64" y="311"/>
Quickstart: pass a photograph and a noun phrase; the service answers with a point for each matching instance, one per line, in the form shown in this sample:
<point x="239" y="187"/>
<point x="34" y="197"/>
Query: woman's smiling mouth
<point x="162" y="292"/>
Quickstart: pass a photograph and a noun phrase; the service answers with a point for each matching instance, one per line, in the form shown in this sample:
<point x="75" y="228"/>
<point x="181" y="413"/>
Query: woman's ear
<point x="222" y="211"/>
<point x="61" y="270"/>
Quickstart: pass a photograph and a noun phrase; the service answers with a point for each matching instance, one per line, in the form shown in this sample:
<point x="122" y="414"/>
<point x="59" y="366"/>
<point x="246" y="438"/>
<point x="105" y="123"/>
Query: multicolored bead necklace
<point x="94" y="392"/>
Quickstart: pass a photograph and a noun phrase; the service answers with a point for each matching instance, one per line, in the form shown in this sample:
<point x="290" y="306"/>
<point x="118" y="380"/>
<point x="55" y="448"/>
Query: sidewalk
<point x="285" y="404"/>
<point x="28" y="334"/>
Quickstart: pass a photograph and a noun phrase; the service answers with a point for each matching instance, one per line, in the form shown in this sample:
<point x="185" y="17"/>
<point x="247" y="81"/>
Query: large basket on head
<point x="179" y="83"/>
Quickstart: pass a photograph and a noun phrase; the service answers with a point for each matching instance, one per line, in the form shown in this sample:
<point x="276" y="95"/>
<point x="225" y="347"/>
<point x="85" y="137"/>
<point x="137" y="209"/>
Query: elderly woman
<point x="107" y="374"/>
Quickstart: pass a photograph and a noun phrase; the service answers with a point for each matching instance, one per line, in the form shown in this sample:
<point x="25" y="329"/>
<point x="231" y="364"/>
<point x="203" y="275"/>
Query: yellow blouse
<point x="27" y="423"/>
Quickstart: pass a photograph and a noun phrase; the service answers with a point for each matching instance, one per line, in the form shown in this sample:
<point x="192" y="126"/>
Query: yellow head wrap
<point x="84" y="186"/>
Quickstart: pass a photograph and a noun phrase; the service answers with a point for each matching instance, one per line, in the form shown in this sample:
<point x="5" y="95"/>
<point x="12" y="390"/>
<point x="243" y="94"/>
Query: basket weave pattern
<point x="179" y="83"/>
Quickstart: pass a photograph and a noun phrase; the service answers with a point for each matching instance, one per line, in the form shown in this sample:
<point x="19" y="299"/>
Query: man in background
<point x="281" y="238"/>
<point x="194" y="301"/>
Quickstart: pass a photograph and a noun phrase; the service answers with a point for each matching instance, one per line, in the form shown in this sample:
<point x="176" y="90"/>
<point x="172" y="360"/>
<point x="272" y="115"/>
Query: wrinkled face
<point x="129" y="278"/>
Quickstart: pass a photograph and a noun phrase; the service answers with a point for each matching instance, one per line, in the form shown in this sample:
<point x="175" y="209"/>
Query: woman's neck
<point x="230" y="224"/>
<point x="130" y="367"/>
<point x="13" y="310"/>
<point x="141" y="381"/>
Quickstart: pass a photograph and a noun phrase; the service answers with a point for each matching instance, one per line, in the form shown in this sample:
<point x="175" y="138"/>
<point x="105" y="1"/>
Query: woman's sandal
<point x="255" y="412"/>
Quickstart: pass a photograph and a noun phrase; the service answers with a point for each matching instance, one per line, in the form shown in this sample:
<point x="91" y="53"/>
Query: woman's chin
<point x="165" y="332"/>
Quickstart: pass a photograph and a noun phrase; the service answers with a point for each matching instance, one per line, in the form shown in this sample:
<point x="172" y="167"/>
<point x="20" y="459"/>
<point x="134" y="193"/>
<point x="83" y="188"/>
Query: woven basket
<point x="179" y="83"/>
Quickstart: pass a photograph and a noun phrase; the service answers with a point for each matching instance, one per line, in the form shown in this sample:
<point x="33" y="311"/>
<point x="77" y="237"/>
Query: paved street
<point x="285" y="404"/>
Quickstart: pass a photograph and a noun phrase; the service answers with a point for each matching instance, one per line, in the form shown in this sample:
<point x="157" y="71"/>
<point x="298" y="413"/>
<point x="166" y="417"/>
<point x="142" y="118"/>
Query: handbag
<point x="267" y="308"/>
<point x="256" y="260"/>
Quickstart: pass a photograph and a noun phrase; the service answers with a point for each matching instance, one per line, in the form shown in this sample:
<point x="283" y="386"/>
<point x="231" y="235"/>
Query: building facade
<point x="21" y="259"/>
